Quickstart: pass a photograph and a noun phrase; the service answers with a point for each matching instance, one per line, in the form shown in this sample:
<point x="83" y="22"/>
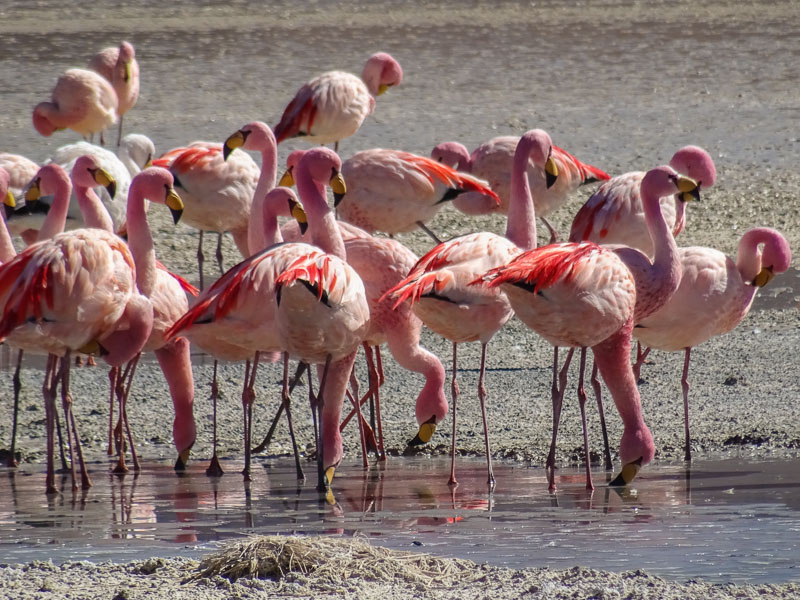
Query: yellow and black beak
<point x="33" y="193"/>
<point x="174" y="203"/>
<point x="689" y="189"/>
<point x="550" y="171"/>
<point x="149" y="162"/>
<point x="102" y="177"/>
<point x="627" y="474"/>
<point x="299" y="215"/>
<point x="182" y="460"/>
<point x="382" y="88"/>
<point x="287" y="179"/>
<point x="234" y="141"/>
<point x="764" y="276"/>
<point x="127" y="76"/>
<point x="425" y="433"/>
<point x="10" y="204"/>
<point x="338" y="186"/>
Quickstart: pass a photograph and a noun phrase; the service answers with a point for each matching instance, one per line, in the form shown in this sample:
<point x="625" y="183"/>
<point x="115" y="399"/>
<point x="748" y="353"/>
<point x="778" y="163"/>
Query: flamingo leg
<point x="49" y="396"/>
<point x="430" y="233"/>
<point x="553" y="232"/>
<point x="301" y="366"/>
<point x="113" y="374"/>
<point x="361" y="423"/>
<point x="285" y="400"/>
<point x="121" y="390"/>
<point x="557" y="394"/>
<point x="640" y="356"/>
<point x="12" y="453"/>
<point x="378" y="371"/>
<point x="214" y="469"/>
<point x="119" y="131"/>
<point x="482" y="398"/>
<point x="218" y="254"/>
<point x="685" y="385"/>
<point x="126" y="392"/>
<point x="200" y="258"/>
<point x="582" y="404"/>
<point x="454" y="393"/>
<point x="86" y="481"/>
<point x="248" y="398"/>
<point x="598" y="395"/>
<point x="319" y="402"/>
<point x="66" y="404"/>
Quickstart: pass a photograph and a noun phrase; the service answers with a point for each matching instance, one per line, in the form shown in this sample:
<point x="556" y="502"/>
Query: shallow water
<point x="726" y="520"/>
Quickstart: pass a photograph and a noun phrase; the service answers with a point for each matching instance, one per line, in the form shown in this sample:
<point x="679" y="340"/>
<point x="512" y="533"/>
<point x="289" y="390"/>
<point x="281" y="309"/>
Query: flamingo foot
<point x="214" y="468"/>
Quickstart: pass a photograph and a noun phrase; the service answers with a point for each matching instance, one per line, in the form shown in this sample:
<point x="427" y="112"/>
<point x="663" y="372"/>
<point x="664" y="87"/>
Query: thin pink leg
<point x="582" y="404"/>
<point x="214" y="468"/>
<point x="49" y="395"/>
<point x="557" y="394"/>
<point x="285" y="401"/>
<point x="454" y="393"/>
<point x="113" y="374"/>
<point x="12" y="453"/>
<point x="482" y="398"/>
<point x="641" y="355"/>
<point x="685" y="385"/>
<point x="598" y="395"/>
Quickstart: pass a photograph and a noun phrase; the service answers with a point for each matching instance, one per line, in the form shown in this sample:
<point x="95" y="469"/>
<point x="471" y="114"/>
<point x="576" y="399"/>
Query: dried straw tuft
<point x="330" y="560"/>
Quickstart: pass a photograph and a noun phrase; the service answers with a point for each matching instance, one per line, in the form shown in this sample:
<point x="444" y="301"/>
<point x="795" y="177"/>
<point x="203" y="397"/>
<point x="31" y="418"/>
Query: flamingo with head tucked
<point x="332" y="106"/>
<point x="81" y="100"/>
<point x="439" y="284"/>
<point x="120" y="68"/>
<point x="714" y="296"/>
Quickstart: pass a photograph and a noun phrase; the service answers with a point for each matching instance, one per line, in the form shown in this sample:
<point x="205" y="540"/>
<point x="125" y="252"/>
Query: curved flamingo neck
<point x="431" y="399"/>
<point x="56" y="217"/>
<point x="521" y="224"/>
<point x="336" y="381"/>
<point x="258" y="237"/>
<point x="140" y="240"/>
<point x="324" y="231"/>
<point x="95" y="215"/>
<point x="666" y="264"/>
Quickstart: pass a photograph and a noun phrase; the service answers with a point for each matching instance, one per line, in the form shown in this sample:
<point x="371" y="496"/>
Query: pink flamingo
<point x="492" y="161"/>
<point x="583" y="295"/>
<point x="217" y="193"/>
<point x="394" y="191"/>
<point x="438" y="285"/>
<point x="382" y="263"/>
<point x="714" y="296"/>
<point x="332" y="106"/>
<point x="21" y="171"/>
<point x="323" y="314"/>
<point x="120" y="68"/>
<point x="615" y="214"/>
<point x="82" y="100"/>
<point x="76" y="291"/>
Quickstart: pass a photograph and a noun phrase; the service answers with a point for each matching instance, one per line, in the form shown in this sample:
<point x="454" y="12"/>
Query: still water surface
<point x="726" y="520"/>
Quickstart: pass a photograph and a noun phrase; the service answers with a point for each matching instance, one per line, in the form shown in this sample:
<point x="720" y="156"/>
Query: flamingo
<point x="394" y="191"/>
<point x="714" y="296"/>
<point x="332" y="106"/>
<point x="615" y="214"/>
<point x="492" y="161"/>
<point x="119" y="67"/>
<point x="20" y="170"/>
<point x="217" y="193"/>
<point x="439" y="290"/>
<point x="382" y="263"/>
<point x="322" y="310"/>
<point x="135" y="153"/>
<point x="82" y="100"/>
<point x="583" y="295"/>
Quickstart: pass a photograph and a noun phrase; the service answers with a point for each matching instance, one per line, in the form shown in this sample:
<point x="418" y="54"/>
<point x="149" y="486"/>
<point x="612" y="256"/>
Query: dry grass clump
<point x="331" y="560"/>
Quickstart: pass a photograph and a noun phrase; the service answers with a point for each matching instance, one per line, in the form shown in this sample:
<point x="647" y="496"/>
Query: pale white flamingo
<point x="714" y="295"/>
<point x="492" y="162"/>
<point x="394" y="191"/>
<point x="134" y="154"/>
<point x="615" y="214"/>
<point x="119" y="66"/>
<point x="81" y="100"/>
<point x="439" y="284"/>
<point x="217" y="193"/>
<point x="583" y="295"/>
<point x="332" y="106"/>
<point x="323" y="314"/>
<point x="382" y="263"/>
<point x="21" y="170"/>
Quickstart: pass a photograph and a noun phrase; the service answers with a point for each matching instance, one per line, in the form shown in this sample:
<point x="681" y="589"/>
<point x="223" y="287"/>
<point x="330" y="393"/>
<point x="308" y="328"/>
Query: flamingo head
<point x="323" y="166"/>
<point x="287" y="179"/>
<point x="156" y="184"/>
<point x="88" y="173"/>
<point x="695" y="163"/>
<point x="381" y="72"/>
<point x="41" y="122"/>
<point x="253" y="136"/>
<point x="636" y="449"/>
<point x="664" y="181"/>
<point x="538" y="147"/>
<point x="452" y="154"/>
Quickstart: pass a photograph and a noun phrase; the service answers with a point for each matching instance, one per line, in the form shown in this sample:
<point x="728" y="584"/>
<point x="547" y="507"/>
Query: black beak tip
<point x="112" y="189"/>
<point x="550" y="179"/>
<point x="337" y="198"/>
<point x="226" y="151"/>
<point x="415" y="441"/>
<point x="176" y="215"/>
<point x="303" y="228"/>
<point x="179" y="465"/>
<point x="8" y="211"/>
<point x="618" y="481"/>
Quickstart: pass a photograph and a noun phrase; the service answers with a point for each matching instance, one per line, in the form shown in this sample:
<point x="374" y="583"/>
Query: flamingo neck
<point x="324" y="230"/>
<point x="612" y="357"/>
<point x="140" y="241"/>
<point x="749" y="256"/>
<point x="7" y="250"/>
<point x="666" y="264"/>
<point x="336" y="381"/>
<point x="95" y="215"/>
<point x="258" y="234"/>
<point x="431" y="399"/>
<point x="521" y="224"/>
<point x="56" y="217"/>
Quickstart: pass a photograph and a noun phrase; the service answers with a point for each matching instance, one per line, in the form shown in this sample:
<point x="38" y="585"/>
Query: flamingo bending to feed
<point x="493" y="162"/>
<point x="615" y="213"/>
<point x="382" y="263"/>
<point x="217" y="193"/>
<point x="583" y="295"/>
<point x="76" y="291"/>
<point x="81" y="100"/>
<point x="714" y="295"/>
<point x="120" y="68"/>
<point x="394" y="191"/>
<point x="323" y="314"/>
<point x="439" y="284"/>
<point x="332" y="106"/>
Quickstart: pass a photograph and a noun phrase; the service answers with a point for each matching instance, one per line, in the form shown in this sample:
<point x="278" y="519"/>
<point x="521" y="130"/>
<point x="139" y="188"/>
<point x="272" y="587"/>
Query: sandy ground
<point x="620" y="85"/>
